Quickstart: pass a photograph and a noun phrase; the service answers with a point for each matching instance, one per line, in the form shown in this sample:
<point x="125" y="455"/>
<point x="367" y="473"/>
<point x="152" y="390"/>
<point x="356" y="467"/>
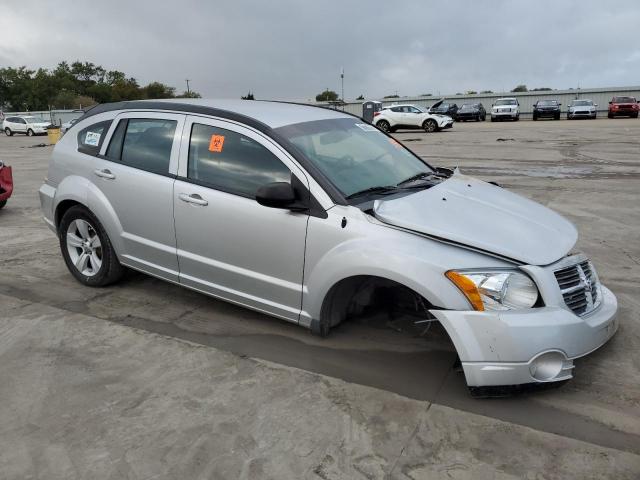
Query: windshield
<point x="546" y="103"/>
<point x="506" y="101"/>
<point x="442" y="106"/>
<point x="624" y="100"/>
<point x="469" y="106"/>
<point x="581" y="103"/>
<point x="353" y="155"/>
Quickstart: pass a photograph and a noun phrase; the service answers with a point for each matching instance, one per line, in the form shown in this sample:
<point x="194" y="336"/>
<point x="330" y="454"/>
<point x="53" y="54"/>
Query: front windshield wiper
<point x="378" y="189"/>
<point x="417" y="176"/>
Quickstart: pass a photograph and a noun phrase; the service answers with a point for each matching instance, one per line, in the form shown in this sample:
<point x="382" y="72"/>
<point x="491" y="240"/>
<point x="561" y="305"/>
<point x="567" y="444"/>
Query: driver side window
<point x="230" y="162"/>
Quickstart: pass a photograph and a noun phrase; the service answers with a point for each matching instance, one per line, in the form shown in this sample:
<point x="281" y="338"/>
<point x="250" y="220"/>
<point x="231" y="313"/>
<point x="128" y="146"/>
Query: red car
<point x="6" y="184"/>
<point x="623" y="107"/>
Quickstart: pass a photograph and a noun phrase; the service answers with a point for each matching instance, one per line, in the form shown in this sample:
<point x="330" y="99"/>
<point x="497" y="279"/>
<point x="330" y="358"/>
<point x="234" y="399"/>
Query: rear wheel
<point x="634" y="116"/>
<point x="87" y="250"/>
<point x="610" y="115"/>
<point x="383" y="125"/>
<point x="8" y="132"/>
<point x="2" y="203"/>
<point x="430" y="126"/>
<point x="556" y="116"/>
<point x="30" y="133"/>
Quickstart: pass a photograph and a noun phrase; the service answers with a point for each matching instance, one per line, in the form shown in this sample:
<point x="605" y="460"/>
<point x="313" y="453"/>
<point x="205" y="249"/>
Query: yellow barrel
<point x="54" y="135"/>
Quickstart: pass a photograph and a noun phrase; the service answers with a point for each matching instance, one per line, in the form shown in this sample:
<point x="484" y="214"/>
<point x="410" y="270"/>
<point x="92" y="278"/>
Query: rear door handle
<point x="105" y="173"/>
<point x="193" y="198"/>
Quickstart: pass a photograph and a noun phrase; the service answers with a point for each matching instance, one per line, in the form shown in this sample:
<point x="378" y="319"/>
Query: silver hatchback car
<point x="312" y="216"/>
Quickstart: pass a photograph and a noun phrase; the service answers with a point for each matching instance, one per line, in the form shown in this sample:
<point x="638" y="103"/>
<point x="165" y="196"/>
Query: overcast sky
<point x="293" y="49"/>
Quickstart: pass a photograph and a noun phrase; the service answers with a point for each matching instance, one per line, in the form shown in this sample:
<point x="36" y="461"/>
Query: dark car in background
<point x="445" y="108"/>
<point x="472" y="111"/>
<point x="546" y="109"/>
<point x="623" y="107"/>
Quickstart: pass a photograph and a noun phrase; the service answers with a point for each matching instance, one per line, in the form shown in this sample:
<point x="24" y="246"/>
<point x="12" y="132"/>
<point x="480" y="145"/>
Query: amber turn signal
<point x="466" y="286"/>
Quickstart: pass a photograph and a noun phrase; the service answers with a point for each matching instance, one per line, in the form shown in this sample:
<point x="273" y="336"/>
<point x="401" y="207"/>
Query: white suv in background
<point x="505" y="108"/>
<point x="389" y="119"/>
<point x="25" y="124"/>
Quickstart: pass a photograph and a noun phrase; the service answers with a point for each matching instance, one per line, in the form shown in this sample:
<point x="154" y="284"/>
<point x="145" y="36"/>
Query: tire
<point x="568" y="117"/>
<point x="383" y="125"/>
<point x="8" y="132"/>
<point x="535" y="118"/>
<point x="97" y="260"/>
<point x="556" y="117"/>
<point x="2" y="204"/>
<point x="478" y="118"/>
<point x="430" y="125"/>
<point x="493" y="119"/>
<point x="484" y="117"/>
<point x="609" y="115"/>
<point x="30" y="133"/>
<point x="517" y="118"/>
<point x="634" y="116"/>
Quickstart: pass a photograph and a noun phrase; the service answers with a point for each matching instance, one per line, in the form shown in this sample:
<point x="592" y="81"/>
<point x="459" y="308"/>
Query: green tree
<point x="249" y="96"/>
<point x="486" y="91"/>
<point x="520" y="88"/>
<point x="189" y="94"/>
<point x="392" y="96"/>
<point x="361" y="97"/>
<point x="471" y="92"/>
<point x="541" y="89"/>
<point x="327" y="96"/>
<point x="158" y="90"/>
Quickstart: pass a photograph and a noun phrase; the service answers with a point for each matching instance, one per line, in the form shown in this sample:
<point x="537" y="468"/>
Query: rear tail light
<point x="375" y="114"/>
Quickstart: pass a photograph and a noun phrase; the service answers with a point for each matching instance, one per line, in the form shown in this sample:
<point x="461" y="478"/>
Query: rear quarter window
<point x="90" y="138"/>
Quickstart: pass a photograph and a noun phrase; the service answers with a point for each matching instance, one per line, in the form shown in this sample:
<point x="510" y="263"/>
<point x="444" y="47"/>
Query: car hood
<point x="482" y="216"/>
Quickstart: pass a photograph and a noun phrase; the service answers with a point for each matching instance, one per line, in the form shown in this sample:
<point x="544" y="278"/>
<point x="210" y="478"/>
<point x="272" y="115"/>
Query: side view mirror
<point x="595" y="104"/>
<point x="276" y="195"/>
<point x="610" y="103"/>
<point x="559" y="104"/>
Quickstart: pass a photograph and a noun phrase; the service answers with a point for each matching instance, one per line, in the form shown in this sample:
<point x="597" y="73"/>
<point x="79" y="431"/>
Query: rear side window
<point x="143" y="143"/>
<point x="90" y="139"/>
<point x="231" y="162"/>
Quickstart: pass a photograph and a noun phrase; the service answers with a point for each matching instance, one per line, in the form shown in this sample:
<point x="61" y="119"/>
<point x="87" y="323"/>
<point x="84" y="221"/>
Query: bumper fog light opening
<point x="547" y="366"/>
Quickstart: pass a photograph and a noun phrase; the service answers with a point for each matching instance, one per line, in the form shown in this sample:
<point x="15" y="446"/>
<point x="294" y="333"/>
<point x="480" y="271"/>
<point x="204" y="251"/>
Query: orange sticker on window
<point x="216" y="143"/>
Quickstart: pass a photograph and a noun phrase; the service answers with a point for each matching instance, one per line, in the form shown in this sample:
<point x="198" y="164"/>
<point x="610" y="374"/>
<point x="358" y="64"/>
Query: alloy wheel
<point x="84" y="246"/>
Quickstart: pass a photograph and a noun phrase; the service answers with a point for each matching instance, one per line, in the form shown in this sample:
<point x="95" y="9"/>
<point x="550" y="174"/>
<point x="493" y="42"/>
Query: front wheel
<point x="610" y="115"/>
<point x="634" y="116"/>
<point x="30" y="133"/>
<point x="2" y="204"/>
<point x="430" y="126"/>
<point x="383" y="125"/>
<point x="517" y="118"/>
<point x="8" y="132"/>
<point x="87" y="250"/>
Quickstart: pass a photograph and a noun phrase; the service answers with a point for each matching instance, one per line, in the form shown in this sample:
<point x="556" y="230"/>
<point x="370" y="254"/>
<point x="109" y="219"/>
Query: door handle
<point x="105" y="173"/>
<point x="194" y="199"/>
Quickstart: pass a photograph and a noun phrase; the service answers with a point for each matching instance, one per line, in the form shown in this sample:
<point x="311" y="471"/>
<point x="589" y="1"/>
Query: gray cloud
<point x="292" y="49"/>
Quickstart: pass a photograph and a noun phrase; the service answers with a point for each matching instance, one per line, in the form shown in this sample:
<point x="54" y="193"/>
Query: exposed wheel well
<point x="352" y="296"/>
<point x="62" y="208"/>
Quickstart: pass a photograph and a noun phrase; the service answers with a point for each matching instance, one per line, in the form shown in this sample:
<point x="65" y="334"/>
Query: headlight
<point x="496" y="290"/>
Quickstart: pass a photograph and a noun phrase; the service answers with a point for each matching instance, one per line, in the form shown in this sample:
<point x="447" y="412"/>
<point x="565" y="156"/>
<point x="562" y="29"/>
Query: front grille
<point x="579" y="286"/>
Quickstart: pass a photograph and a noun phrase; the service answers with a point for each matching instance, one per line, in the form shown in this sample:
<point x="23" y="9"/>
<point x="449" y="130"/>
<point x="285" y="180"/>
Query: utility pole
<point x="342" y="79"/>
<point x="188" y="91"/>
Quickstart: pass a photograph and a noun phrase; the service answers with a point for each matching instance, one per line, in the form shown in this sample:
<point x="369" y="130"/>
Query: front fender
<point x="369" y="248"/>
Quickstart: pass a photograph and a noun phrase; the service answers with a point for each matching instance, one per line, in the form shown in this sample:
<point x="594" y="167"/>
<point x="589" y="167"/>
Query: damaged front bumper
<point x="533" y="346"/>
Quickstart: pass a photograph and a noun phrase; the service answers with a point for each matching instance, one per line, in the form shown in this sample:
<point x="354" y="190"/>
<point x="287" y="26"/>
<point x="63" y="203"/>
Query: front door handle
<point x="105" y="173"/>
<point x="194" y="199"/>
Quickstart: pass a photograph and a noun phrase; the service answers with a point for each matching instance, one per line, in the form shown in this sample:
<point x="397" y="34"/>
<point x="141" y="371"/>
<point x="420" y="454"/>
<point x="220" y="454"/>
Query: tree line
<point x="75" y="85"/>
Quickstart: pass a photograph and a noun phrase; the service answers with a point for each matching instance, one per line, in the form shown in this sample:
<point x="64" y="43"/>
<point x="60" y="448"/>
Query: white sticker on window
<point x="366" y="127"/>
<point x="92" y="139"/>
